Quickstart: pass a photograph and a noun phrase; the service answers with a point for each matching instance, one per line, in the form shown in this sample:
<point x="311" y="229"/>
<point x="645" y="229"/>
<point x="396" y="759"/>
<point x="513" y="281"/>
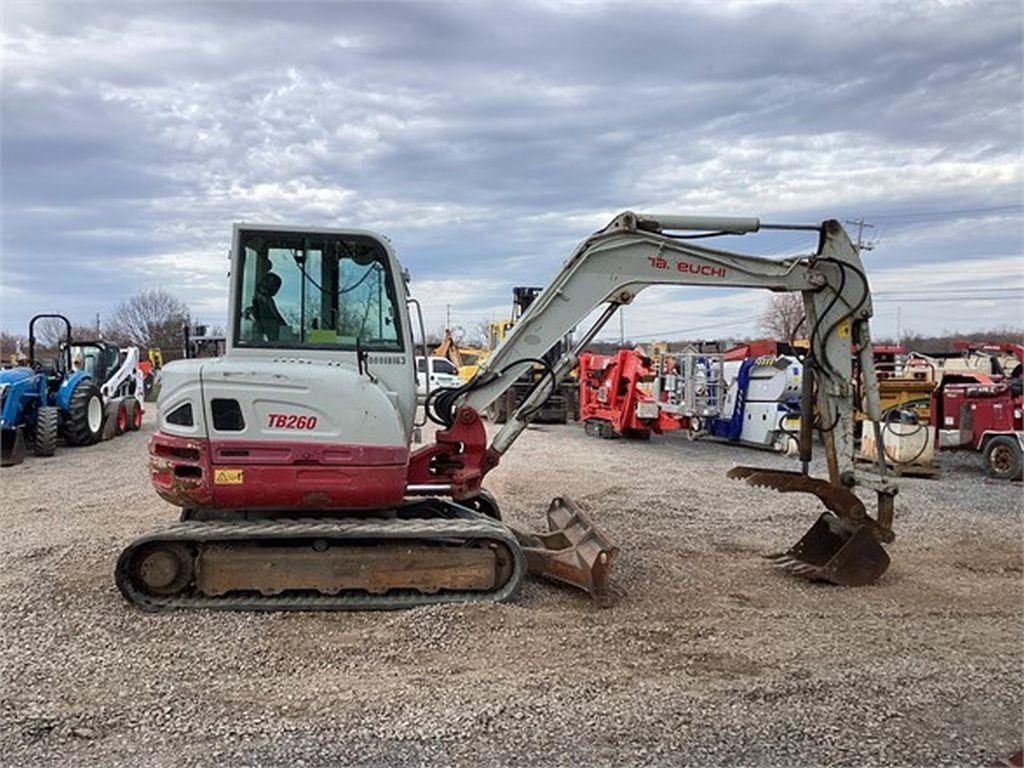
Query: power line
<point x="710" y="326"/>
<point x="946" y="299"/>
<point x="947" y="212"/>
<point x="944" y="290"/>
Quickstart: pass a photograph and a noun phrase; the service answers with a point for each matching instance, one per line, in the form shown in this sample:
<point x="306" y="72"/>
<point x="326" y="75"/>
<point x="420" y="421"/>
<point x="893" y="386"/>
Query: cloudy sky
<point x="487" y="139"/>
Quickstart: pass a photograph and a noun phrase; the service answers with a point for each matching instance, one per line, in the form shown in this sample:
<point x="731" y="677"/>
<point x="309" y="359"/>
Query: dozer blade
<point x="843" y="544"/>
<point x="573" y="551"/>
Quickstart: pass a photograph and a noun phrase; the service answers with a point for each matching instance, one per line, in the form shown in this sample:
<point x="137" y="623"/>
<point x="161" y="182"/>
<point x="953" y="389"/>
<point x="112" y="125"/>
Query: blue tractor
<point x="47" y="398"/>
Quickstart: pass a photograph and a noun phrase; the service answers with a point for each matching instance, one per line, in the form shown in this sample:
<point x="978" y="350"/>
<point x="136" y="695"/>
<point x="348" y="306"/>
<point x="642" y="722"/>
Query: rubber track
<point x="465" y="525"/>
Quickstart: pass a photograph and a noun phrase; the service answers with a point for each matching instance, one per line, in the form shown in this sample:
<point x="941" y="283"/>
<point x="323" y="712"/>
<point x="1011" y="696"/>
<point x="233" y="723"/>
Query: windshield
<point x="443" y="366"/>
<point x="322" y="291"/>
<point x="94" y="359"/>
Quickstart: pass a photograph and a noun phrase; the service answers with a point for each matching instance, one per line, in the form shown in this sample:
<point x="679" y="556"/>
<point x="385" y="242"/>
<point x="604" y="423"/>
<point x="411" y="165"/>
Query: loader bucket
<point x="573" y="551"/>
<point x="12" y="446"/>
<point x="843" y="544"/>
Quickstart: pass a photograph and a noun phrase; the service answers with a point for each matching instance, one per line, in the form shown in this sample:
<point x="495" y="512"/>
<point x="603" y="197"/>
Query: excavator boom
<point x="638" y="250"/>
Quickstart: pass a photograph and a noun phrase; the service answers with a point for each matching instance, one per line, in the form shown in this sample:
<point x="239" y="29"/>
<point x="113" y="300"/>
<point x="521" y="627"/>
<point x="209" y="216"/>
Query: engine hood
<point x="279" y="400"/>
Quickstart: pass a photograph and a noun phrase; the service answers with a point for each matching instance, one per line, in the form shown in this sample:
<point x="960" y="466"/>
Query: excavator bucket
<point x="834" y="551"/>
<point x="843" y="544"/>
<point x="573" y="551"/>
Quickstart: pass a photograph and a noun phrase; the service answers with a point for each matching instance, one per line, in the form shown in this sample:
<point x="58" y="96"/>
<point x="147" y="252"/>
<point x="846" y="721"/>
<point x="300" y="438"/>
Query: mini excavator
<point x="291" y="456"/>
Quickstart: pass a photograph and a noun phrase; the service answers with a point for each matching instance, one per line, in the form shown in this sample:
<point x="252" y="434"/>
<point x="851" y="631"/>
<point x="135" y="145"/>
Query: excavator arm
<point x="638" y="250"/>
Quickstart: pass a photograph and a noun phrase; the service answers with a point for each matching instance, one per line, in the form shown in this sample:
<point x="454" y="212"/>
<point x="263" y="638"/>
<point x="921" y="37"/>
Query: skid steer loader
<point x="291" y="456"/>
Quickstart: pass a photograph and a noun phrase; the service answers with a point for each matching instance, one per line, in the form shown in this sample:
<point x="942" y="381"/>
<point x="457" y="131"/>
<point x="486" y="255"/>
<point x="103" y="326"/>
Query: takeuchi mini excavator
<point x="291" y="455"/>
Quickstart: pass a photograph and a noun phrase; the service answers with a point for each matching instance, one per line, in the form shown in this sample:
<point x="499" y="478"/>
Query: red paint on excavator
<point x="458" y="458"/>
<point x="280" y="475"/>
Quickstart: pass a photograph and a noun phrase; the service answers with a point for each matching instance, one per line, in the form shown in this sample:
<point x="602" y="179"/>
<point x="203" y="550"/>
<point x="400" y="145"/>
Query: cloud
<point x="486" y="140"/>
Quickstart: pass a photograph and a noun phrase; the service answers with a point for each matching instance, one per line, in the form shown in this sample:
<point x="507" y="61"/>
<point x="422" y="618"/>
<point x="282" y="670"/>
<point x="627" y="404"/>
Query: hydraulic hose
<point x="442" y="402"/>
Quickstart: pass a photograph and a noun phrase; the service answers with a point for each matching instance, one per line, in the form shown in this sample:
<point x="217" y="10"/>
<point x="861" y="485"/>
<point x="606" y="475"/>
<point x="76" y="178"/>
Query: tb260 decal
<point x="290" y="421"/>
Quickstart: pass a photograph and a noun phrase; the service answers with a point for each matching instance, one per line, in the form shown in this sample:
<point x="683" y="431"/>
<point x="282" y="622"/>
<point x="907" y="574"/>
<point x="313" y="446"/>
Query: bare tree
<point x="477" y="335"/>
<point x="11" y="346"/>
<point x="150" y="318"/>
<point x="785" y="319"/>
<point x="435" y="337"/>
<point x="51" y="331"/>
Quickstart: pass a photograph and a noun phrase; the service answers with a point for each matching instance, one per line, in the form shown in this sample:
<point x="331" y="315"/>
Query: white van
<point x="442" y="374"/>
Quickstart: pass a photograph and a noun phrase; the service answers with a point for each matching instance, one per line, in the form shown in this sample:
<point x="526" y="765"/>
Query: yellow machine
<point x="466" y="359"/>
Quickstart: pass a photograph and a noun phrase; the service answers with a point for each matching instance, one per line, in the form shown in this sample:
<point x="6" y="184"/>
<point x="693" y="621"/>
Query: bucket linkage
<point x="844" y="544"/>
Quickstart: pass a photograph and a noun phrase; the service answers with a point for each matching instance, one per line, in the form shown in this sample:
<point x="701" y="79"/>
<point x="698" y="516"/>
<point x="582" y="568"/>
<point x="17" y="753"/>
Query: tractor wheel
<point x="134" y="414"/>
<point x="84" y="423"/>
<point x="1003" y="459"/>
<point x="44" y="436"/>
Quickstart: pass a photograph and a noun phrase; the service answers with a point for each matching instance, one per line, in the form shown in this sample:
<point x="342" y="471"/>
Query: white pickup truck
<point x="442" y="374"/>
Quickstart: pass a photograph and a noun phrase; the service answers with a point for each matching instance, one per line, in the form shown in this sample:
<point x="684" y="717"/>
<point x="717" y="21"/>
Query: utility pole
<point x="447" y="316"/>
<point x="861" y="244"/>
<point x="97" y="325"/>
<point x="899" y="325"/>
<point x="622" y="328"/>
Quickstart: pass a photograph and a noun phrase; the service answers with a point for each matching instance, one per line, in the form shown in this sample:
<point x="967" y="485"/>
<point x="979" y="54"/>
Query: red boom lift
<point x="612" y="403"/>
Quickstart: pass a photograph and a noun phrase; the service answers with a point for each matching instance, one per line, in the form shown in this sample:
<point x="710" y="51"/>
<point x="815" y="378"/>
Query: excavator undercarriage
<point x="423" y="552"/>
<point x="429" y="551"/>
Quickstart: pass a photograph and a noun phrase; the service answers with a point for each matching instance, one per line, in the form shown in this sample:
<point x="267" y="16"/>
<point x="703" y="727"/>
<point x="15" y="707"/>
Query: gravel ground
<point x="704" y="655"/>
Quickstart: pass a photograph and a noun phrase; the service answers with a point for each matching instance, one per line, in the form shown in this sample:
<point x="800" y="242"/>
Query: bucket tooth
<point x="573" y="551"/>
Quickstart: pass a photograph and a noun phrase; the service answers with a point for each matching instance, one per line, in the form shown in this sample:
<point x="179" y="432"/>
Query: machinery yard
<point x="533" y="384"/>
<point x="702" y="653"/>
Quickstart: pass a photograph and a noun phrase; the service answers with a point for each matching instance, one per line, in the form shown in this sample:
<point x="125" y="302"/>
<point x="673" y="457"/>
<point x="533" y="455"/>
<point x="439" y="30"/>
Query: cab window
<point x="315" y="291"/>
<point x="443" y="366"/>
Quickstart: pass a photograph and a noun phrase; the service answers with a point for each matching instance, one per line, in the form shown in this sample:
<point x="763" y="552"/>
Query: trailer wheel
<point x="84" y="424"/>
<point x="1003" y="459"/>
<point x="44" y="436"/>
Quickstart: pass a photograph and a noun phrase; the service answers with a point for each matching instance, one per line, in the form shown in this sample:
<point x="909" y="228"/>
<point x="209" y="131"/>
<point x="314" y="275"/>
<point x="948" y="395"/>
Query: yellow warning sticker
<point x="844" y="329"/>
<point x="228" y="476"/>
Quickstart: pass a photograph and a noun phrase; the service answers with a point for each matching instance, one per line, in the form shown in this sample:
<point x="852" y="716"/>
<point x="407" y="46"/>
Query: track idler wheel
<point x="843" y="546"/>
<point x="163" y="569"/>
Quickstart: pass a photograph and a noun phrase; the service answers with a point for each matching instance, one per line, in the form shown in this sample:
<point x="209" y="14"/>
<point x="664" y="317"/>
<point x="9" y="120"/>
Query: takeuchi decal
<point x="686" y="267"/>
